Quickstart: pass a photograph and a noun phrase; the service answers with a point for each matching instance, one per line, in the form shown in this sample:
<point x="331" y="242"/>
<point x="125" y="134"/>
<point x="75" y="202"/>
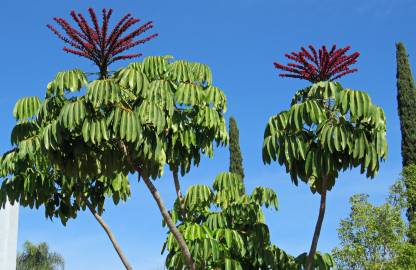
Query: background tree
<point x="376" y="237"/>
<point x="406" y="98"/>
<point x="327" y="129"/>
<point x="236" y="159"/>
<point x="234" y="235"/>
<point x="38" y="257"/>
<point x="76" y="147"/>
<point x="370" y="236"/>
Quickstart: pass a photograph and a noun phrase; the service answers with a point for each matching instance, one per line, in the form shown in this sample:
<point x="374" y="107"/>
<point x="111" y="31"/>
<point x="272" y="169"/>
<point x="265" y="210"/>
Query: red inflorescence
<point x="99" y="44"/>
<point x="322" y="65"/>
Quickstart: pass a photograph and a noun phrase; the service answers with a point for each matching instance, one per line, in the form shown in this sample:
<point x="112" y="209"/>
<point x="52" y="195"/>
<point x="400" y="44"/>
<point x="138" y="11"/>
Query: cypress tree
<point x="406" y="98"/>
<point x="236" y="159"/>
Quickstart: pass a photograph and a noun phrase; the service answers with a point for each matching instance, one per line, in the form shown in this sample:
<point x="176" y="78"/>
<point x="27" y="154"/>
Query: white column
<point x="8" y="236"/>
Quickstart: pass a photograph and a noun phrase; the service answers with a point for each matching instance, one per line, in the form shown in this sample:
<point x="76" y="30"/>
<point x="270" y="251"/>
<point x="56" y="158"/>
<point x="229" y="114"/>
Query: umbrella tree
<point x="78" y="145"/>
<point x="327" y="128"/>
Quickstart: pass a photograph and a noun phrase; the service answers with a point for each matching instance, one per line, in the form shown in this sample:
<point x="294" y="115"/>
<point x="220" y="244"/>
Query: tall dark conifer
<point x="406" y="98"/>
<point x="236" y="159"/>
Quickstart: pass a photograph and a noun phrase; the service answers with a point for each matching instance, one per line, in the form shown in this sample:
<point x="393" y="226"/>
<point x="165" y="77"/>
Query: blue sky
<point x="239" y="40"/>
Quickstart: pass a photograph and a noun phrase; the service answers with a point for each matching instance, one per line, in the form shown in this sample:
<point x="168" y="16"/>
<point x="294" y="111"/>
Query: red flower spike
<point x="98" y="43"/>
<point x="319" y="65"/>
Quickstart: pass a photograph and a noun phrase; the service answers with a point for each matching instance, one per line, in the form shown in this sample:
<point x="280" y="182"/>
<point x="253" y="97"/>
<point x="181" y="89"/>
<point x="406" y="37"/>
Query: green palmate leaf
<point x="195" y="231"/>
<point x="23" y="130"/>
<point x="202" y="73"/>
<point x="125" y="124"/>
<point x="71" y="80"/>
<point x="208" y="118"/>
<point x="216" y="97"/>
<point x="216" y="221"/>
<point x="73" y="114"/>
<point x="231" y="238"/>
<point x="151" y="114"/>
<point x="181" y="71"/>
<point x="225" y="197"/>
<point x="230" y="264"/>
<point x="155" y="66"/>
<point x="52" y="135"/>
<point x="29" y="146"/>
<point x="189" y="94"/>
<point x="132" y="78"/>
<point x="26" y="108"/>
<point x="198" y="195"/>
<point x="161" y="93"/>
<point x="95" y="131"/>
<point x="265" y="196"/>
<point x="227" y="180"/>
<point x="103" y="92"/>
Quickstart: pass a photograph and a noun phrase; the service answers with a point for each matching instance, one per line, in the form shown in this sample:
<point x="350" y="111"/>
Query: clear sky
<point x="239" y="40"/>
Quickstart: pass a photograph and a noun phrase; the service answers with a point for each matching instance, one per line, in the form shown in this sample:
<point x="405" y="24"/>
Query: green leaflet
<point x="198" y="195"/>
<point x="95" y="131"/>
<point x="72" y="80"/>
<point x="216" y="221"/>
<point x="208" y="118"/>
<point x="73" y="114"/>
<point x="181" y="71"/>
<point x="23" y="131"/>
<point x="195" y="231"/>
<point x="125" y="124"/>
<point x="265" y="196"/>
<point x="161" y="93"/>
<point x="103" y="92"/>
<point x="132" y="78"/>
<point x="202" y="73"/>
<point x="151" y="114"/>
<point x="155" y="66"/>
<point x="51" y="135"/>
<point x="216" y="97"/>
<point x="226" y="180"/>
<point x="26" y="108"/>
<point x="189" y="94"/>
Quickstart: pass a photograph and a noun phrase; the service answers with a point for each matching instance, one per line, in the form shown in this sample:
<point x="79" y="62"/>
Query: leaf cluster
<point x="225" y="229"/>
<point x="327" y="129"/>
<point x="85" y="137"/>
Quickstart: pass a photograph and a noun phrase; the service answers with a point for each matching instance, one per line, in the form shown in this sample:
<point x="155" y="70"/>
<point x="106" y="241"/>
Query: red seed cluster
<point x="321" y="65"/>
<point x="96" y="42"/>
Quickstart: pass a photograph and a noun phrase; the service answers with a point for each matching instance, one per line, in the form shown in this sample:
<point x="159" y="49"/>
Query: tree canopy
<point x="81" y="142"/>
<point x="39" y="257"/>
<point x="225" y="229"/>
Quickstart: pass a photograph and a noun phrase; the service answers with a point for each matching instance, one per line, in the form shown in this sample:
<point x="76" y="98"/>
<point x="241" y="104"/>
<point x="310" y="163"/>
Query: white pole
<point x="8" y="236"/>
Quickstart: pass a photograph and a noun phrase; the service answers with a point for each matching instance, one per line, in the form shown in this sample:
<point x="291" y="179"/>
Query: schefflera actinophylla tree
<point x="78" y="145"/>
<point x="327" y="129"/>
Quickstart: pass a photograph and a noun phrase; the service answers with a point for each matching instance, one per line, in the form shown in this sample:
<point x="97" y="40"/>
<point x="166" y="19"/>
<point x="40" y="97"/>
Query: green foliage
<point x="369" y="237"/>
<point x="72" y="147"/>
<point x="327" y="129"/>
<point x="38" y="257"/>
<point x="406" y="98"/>
<point x="236" y="159"/>
<point x="409" y="198"/>
<point x="225" y="229"/>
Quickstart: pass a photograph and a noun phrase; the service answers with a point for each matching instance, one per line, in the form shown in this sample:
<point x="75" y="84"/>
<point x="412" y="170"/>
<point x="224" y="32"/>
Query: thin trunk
<point x="103" y="72"/>
<point x="165" y="214"/>
<point x="179" y="192"/>
<point x="168" y="219"/>
<point x="318" y="226"/>
<point x="109" y="233"/>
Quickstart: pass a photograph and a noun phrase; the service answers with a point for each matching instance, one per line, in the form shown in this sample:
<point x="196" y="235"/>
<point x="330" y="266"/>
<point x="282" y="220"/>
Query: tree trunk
<point x="165" y="214"/>
<point x="312" y="251"/>
<point x="109" y="233"/>
<point x="179" y="192"/>
<point x="168" y="219"/>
